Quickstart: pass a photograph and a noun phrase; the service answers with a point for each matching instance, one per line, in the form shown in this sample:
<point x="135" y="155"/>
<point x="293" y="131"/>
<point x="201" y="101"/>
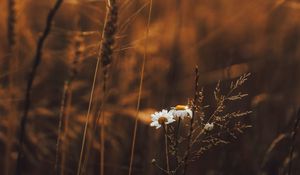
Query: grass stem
<point x="191" y="123"/>
<point x="32" y="74"/>
<point x="140" y="89"/>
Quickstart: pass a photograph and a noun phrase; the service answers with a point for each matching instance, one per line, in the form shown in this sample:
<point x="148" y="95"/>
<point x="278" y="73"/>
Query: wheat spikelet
<point x="11" y="37"/>
<point x="105" y="58"/>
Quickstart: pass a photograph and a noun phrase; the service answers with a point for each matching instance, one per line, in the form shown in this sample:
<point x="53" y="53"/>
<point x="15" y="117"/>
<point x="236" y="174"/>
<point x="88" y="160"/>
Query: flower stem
<point x="177" y="140"/>
<point x="192" y="122"/>
<point x="167" y="149"/>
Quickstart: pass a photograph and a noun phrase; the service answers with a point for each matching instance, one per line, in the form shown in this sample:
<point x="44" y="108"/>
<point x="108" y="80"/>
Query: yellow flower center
<point x="181" y="107"/>
<point x="162" y="120"/>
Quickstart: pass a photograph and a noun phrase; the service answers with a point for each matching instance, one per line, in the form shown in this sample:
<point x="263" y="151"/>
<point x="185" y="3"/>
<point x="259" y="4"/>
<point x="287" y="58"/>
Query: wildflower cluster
<point x="190" y="130"/>
<point x="165" y="117"/>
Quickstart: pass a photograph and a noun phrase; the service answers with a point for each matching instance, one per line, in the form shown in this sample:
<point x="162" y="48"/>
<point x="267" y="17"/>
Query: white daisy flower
<point x="181" y="111"/>
<point x="209" y="126"/>
<point x="160" y="118"/>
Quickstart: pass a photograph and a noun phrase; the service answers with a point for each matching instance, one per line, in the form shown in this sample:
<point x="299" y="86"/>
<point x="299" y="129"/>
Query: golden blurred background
<point x="225" y="38"/>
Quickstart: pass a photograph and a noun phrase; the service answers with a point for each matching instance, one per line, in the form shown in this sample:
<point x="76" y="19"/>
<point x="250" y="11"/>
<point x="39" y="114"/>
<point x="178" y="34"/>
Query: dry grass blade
<point x="192" y="122"/>
<point x="89" y="107"/>
<point x="140" y="89"/>
<point x="131" y="18"/>
<point x="11" y="22"/>
<point x="274" y="143"/>
<point x="36" y="62"/>
<point x="292" y="147"/>
<point x="60" y="128"/>
<point x="11" y="36"/>
<point x="105" y="58"/>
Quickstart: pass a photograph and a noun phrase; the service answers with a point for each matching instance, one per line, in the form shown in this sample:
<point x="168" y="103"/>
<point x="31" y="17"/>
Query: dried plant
<point x="194" y="131"/>
<point x="141" y="67"/>
<point x="62" y="142"/>
<point x="140" y="90"/>
<point x="108" y="41"/>
<point x="105" y="57"/>
<point x="282" y="151"/>
<point x="11" y="23"/>
<point x="12" y="107"/>
<point x="32" y="74"/>
<point x="293" y="140"/>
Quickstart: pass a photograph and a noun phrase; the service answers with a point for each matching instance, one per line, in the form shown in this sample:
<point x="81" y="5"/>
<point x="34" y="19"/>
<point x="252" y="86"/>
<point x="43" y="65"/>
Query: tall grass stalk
<point x="140" y="88"/>
<point x="189" y="146"/>
<point x="60" y="129"/>
<point x="105" y="58"/>
<point x="68" y="99"/>
<point x="64" y="143"/>
<point x="292" y="147"/>
<point x="88" y="115"/>
<point x="61" y="143"/>
<point x="11" y="37"/>
<point x="11" y="21"/>
<point x="32" y="74"/>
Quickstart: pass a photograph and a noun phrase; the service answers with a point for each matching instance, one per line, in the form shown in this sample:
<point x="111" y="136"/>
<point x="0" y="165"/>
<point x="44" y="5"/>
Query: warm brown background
<point x="225" y="38"/>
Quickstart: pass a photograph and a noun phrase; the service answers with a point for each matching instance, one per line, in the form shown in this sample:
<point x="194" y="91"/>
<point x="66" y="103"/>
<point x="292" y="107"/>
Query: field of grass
<point x="144" y="87"/>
